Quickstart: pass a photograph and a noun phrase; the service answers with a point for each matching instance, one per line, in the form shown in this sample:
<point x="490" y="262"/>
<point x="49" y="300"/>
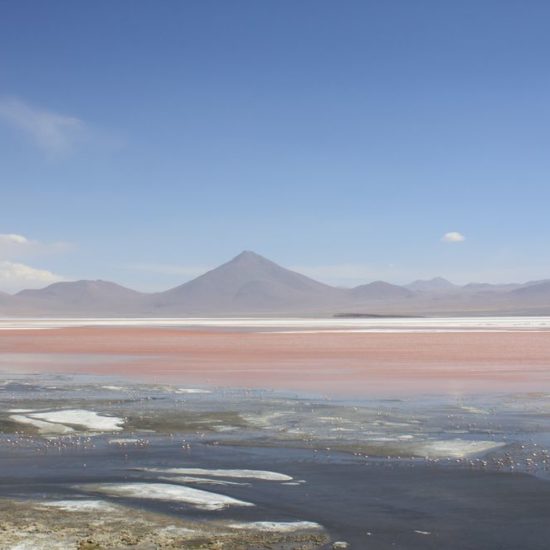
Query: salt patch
<point x="474" y="410"/>
<point x="81" y="505"/>
<point x="246" y="474"/>
<point x="203" y="500"/>
<point x="277" y="526"/>
<point x="40" y="541"/>
<point x="192" y="390"/>
<point x="177" y="531"/>
<point x="81" y="417"/>
<point x="457" y="448"/>
<point x="201" y="480"/>
<point x="45" y="428"/>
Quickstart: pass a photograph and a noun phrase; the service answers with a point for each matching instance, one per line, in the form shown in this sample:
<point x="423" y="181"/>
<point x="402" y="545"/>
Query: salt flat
<point x="312" y="324"/>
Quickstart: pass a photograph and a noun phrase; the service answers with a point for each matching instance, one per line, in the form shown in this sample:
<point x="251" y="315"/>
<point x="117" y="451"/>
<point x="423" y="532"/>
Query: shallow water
<point x="410" y="473"/>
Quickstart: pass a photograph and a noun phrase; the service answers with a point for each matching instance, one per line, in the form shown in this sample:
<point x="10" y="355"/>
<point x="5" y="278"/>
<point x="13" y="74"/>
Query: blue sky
<point x="145" y="141"/>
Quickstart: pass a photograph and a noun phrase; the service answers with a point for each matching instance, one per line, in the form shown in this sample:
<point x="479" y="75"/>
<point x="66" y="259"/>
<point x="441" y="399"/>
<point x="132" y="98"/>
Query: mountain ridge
<point x="252" y="284"/>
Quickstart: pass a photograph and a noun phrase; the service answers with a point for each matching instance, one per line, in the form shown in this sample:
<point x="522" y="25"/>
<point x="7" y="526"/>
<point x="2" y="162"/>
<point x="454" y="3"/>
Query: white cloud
<point x="52" y="132"/>
<point x="14" y="246"/>
<point x="16" y="276"/>
<point x="453" y="237"/>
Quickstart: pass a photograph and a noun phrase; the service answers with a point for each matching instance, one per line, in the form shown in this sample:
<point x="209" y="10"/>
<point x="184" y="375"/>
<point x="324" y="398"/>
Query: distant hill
<point x="250" y="284"/>
<point x="81" y="297"/>
<point x="6" y="303"/>
<point x="538" y="291"/>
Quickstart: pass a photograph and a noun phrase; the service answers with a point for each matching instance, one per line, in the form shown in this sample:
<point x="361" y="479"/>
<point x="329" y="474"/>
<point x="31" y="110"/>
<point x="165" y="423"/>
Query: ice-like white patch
<point x="201" y="480"/>
<point x="177" y="531"/>
<point x="456" y="448"/>
<point x="81" y="505"/>
<point x="122" y="441"/>
<point x="22" y="410"/>
<point x="113" y="388"/>
<point x="203" y="500"/>
<point x="191" y="390"/>
<point x="419" y="532"/>
<point x="225" y="428"/>
<point x="263" y="420"/>
<point x="278" y="526"/>
<point x="81" y="417"/>
<point x="40" y="541"/>
<point x="474" y="410"/>
<point x="245" y="474"/>
<point x="45" y="428"/>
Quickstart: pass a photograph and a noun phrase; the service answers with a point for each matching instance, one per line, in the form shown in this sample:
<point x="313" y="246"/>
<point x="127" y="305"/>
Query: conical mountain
<point x="249" y="283"/>
<point x="437" y="284"/>
<point x="380" y="290"/>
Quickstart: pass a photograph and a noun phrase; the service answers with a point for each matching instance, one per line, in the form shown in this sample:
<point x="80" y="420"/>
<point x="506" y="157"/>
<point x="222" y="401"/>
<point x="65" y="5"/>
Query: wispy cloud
<point x="52" y="132"/>
<point x="17" y="276"/>
<point x="13" y="245"/>
<point x="453" y="237"/>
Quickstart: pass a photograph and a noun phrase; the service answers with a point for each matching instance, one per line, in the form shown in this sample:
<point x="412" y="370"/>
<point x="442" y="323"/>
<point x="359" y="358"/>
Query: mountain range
<point x="250" y="284"/>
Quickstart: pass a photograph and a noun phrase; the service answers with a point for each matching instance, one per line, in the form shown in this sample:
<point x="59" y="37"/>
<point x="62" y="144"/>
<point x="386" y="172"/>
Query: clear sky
<point x="143" y="141"/>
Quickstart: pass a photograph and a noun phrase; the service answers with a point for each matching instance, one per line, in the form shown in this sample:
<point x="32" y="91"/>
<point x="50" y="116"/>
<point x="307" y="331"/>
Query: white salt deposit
<point x="177" y="531"/>
<point x="203" y="500"/>
<point x="456" y="448"/>
<point x="81" y="505"/>
<point x="81" y="417"/>
<point x="191" y="390"/>
<point x="45" y="428"/>
<point x="277" y="526"/>
<point x="474" y="410"/>
<point x="245" y="474"/>
<point x="40" y="541"/>
<point x="201" y="480"/>
<point x="448" y="324"/>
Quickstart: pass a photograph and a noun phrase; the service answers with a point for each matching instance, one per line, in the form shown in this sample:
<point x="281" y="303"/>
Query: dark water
<point x="350" y="497"/>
